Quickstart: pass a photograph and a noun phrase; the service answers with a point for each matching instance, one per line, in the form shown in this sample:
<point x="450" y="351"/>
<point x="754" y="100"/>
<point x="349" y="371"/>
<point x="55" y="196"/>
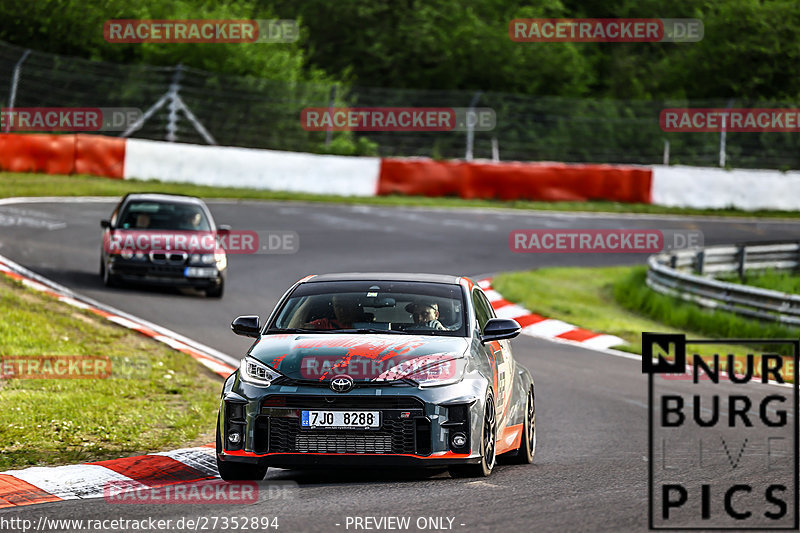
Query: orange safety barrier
<point x="37" y="152"/>
<point x="63" y="154"/>
<point x="100" y="156"/>
<point x="515" y="181"/>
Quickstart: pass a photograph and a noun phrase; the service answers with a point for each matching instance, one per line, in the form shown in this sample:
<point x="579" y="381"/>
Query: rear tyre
<point x="527" y="445"/>
<point x="229" y="471"/>
<point x="488" y="447"/>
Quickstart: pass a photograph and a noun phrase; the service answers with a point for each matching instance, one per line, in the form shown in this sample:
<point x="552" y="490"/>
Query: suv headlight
<point x="256" y="373"/>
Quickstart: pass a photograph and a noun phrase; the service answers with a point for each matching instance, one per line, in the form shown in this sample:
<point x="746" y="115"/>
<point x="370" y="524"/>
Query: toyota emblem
<point x="341" y="383"/>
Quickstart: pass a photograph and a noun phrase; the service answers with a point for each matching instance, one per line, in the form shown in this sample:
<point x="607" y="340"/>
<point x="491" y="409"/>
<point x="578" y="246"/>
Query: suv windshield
<point x="161" y="215"/>
<point x="374" y="307"/>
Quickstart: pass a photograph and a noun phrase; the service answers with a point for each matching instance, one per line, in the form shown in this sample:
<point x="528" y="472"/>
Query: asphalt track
<point x="590" y="471"/>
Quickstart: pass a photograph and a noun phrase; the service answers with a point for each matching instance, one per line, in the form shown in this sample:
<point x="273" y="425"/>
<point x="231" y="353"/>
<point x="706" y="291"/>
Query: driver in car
<point x="346" y="311"/>
<point x="425" y="314"/>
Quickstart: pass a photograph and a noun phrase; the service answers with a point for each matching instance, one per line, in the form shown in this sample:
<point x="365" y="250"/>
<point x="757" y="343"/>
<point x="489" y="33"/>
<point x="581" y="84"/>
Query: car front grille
<point x="404" y="428"/>
<point x="149" y="270"/>
<point x="394" y="436"/>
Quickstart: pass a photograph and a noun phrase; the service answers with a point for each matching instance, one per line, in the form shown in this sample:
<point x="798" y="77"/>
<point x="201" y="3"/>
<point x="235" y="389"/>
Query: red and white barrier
<point x="369" y="176"/>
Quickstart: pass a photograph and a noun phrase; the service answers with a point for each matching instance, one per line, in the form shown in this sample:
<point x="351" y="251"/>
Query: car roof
<point x="159" y="197"/>
<point x="386" y="276"/>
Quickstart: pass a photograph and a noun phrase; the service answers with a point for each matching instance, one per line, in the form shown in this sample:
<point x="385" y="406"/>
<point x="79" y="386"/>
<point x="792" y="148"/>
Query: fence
<point x="190" y="105"/>
<point x="681" y="274"/>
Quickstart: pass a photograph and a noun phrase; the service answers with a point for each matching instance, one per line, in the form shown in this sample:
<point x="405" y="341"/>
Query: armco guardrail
<point x="686" y="274"/>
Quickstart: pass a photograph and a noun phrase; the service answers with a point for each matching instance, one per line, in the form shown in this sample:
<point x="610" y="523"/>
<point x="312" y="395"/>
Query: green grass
<point x="615" y="300"/>
<point x="155" y="399"/>
<point x="22" y="184"/>
<point x="776" y="280"/>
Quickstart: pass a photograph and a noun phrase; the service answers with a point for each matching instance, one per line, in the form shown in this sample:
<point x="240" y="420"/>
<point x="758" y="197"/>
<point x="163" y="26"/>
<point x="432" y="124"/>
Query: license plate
<point x="340" y="419"/>
<point x="197" y="272"/>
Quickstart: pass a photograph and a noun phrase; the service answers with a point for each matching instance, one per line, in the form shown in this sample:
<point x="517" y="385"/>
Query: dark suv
<point x="163" y="239"/>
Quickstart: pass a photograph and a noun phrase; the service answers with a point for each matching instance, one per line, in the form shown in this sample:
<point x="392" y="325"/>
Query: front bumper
<point x="417" y="425"/>
<point x="162" y="274"/>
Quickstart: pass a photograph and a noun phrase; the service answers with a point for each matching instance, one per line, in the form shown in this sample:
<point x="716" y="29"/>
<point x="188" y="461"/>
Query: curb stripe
<point x="153" y="470"/>
<point x="578" y="335"/>
<point x="15" y="492"/>
<point x="72" y="482"/>
<point x="200" y="459"/>
<point x="548" y="328"/>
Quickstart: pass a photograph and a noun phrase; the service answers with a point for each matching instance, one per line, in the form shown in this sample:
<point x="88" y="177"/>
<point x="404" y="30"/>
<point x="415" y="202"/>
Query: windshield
<point x="161" y="215"/>
<point x="368" y="307"/>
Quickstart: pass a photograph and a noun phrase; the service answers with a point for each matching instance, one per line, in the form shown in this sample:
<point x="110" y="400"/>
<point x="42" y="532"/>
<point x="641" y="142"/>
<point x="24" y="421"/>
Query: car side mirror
<point x="497" y="329"/>
<point x="224" y="228"/>
<point x="105" y="224"/>
<point x="247" y="326"/>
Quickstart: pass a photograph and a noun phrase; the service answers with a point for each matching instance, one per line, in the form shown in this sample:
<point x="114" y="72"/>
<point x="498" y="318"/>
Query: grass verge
<point x="615" y="300"/>
<point x="155" y="399"/>
<point x="776" y="280"/>
<point x="23" y="184"/>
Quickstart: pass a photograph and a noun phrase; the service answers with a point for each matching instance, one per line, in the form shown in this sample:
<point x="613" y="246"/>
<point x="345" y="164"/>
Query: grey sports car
<point x="377" y="369"/>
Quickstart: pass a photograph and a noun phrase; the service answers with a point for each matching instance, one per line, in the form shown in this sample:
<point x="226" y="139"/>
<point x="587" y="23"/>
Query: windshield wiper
<point x="299" y="330"/>
<point x="372" y="330"/>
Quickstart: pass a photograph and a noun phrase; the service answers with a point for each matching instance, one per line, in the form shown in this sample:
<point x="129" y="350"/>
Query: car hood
<point x="363" y="357"/>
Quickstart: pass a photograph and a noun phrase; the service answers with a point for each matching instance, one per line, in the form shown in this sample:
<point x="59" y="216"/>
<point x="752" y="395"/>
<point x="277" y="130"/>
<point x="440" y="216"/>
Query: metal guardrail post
<point x="699" y="261"/>
<point x="741" y="257"/>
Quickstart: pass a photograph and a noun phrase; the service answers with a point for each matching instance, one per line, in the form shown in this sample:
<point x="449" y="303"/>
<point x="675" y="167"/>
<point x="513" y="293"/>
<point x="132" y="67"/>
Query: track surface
<point x="590" y="471"/>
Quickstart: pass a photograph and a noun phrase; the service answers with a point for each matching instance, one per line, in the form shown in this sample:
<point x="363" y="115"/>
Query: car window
<point x="483" y="311"/>
<point x="409" y="307"/>
<point x="148" y="215"/>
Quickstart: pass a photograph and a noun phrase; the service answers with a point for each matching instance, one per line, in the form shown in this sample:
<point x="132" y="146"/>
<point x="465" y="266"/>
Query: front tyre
<point x="108" y="279"/>
<point x="216" y="292"/>
<point x="527" y="446"/>
<point x="230" y="471"/>
<point x="488" y="447"/>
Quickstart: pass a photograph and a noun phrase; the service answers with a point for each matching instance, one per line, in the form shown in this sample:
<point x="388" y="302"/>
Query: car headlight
<point x="202" y="259"/>
<point x="139" y="256"/>
<point x="126" y="254"/>
<point x="221" y="259"/>
<point x="256" y="373"/>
